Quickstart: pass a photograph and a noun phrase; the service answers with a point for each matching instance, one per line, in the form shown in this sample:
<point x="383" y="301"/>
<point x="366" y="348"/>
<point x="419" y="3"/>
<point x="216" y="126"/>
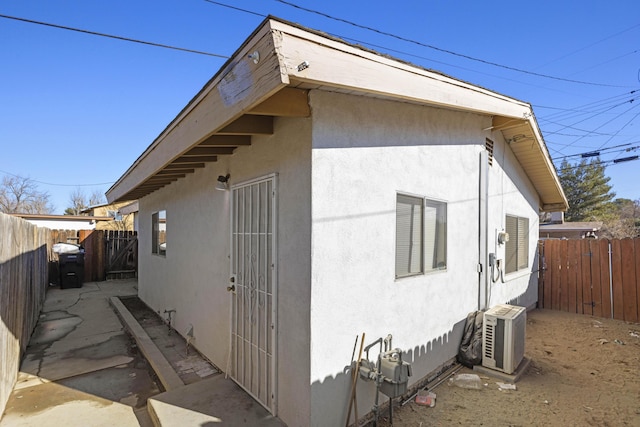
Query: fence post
<point x="541" y="272"/>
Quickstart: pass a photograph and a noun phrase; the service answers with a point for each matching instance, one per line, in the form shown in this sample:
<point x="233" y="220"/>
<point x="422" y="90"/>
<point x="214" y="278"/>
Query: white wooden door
<point x="253" y="276"/>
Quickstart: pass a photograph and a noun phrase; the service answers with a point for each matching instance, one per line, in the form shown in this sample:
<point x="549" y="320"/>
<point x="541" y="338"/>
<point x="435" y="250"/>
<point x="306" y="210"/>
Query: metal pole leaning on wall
<point x="610" y="280"/>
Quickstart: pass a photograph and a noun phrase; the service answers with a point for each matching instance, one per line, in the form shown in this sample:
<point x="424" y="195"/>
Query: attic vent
<point x="488" y="144"/>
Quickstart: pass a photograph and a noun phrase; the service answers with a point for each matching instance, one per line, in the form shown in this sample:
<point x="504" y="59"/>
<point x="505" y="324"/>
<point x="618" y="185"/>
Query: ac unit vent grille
<point x="488" y="347"/>
<point x="503" y="337"/>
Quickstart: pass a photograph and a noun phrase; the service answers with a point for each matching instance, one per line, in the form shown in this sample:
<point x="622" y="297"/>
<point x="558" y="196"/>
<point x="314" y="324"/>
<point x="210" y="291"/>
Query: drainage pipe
<point x="483" y="227"/>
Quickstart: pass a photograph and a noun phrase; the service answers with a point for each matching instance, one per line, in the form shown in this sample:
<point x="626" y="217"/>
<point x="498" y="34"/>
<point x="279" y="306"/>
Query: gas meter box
<point x="396" y="374"/>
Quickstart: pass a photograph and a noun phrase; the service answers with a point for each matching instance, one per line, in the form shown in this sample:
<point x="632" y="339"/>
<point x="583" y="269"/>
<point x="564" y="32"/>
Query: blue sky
<point x="76" y="110"/>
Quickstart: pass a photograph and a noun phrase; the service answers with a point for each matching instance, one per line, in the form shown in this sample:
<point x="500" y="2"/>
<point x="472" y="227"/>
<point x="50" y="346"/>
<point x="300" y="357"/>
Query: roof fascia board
<point x="240" y="85"/>
<point x="339" y="64"/>
<point x="548" y="163"/>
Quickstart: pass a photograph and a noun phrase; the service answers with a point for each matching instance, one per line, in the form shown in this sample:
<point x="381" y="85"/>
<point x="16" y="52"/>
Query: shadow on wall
<point x="529" y="297"/>
<point x="331" y="395"/>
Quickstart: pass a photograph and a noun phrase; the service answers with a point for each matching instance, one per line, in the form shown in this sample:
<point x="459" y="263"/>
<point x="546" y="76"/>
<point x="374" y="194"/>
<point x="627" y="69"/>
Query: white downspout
<point x="483" y="224"/>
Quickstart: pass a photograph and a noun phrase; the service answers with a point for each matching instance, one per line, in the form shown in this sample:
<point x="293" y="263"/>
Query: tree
<point x="588" y="192"/>
<point x="21" y="195"/>
<point x="625" y="222"/>
<point x="79" y="201"/>
<point x="97" y="198"/>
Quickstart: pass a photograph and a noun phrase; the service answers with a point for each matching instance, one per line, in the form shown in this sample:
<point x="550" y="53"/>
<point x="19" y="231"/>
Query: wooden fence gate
<point x="588" y="276"/>
<point x="121" y="254"/>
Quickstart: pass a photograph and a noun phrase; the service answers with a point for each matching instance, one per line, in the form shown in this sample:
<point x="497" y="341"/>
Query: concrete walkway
<point x="82" y="368"/>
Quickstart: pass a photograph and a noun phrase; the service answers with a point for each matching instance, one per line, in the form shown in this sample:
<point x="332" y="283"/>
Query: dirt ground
<point x="584" y="371"/>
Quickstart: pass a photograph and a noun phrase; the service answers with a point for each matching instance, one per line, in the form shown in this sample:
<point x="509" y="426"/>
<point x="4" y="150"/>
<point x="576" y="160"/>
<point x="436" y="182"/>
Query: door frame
<point x="273" y="177"/>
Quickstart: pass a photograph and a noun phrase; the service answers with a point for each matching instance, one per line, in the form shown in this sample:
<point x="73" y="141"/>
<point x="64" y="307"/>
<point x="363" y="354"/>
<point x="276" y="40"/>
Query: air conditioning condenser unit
<point x="503" y="337"/>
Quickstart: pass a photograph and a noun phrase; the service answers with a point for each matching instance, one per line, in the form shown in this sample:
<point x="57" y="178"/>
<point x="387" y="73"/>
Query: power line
<point x="94" y="33"/>
<point x="605" y="62"/>
<point x="236" y="8"/>
<point x="619" y="130"/>
<point x="334" y="18"/>
<point x="394" y="50"/>
<point x="413" y="55"/>
<point x="589" y="132"/>
<point x="597" y="113"/>
<point x="589" y="107"/>
<point x="606" y="162"/>
<point x="384" y="33"/>
<point x="59" y="185"/>
<point x="591" y="45"/>
<point x="595" y="153"/>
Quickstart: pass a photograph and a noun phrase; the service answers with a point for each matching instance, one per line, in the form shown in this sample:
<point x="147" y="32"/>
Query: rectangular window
<point x="159" y="233"/>
<point x="517" y="248"/>
<point x="421" y="243"/>
<point x="115" y="215"/>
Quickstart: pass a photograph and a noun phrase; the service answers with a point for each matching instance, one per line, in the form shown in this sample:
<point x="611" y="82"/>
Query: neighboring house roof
<point x="271" y="74"/>
<point x="103" y="206"/>
<point x="63" y="217"/>
<point x="66" y="222"/>
<point x="130" y="208"/>
<point x="571" y="226"/>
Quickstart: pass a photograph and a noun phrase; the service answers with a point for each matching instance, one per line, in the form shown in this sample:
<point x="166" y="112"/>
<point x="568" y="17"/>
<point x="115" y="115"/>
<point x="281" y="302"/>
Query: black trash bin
<point x="71" y="267"/>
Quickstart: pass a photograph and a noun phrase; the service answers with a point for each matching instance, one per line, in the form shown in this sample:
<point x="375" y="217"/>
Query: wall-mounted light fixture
<point x="223" y="182"/>
<point x="255" y="57"/>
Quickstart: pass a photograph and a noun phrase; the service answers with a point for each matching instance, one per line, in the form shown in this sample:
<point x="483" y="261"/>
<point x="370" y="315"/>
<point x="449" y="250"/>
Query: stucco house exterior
<point x="365" y="195"/>
<point x="130" y="211"/>
<point x="557" y="228"/>
<point x="121" y="221"/>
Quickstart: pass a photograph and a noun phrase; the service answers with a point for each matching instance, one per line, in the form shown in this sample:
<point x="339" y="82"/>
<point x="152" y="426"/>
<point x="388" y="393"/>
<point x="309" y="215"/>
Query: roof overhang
<point x="270" y="75"/>
<point x="525" y="140"/>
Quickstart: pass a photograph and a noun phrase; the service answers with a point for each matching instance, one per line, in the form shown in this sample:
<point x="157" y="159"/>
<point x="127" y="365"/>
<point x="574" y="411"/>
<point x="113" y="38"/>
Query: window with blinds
<point x="420" y="235"/>
<point x="517" y="248"/>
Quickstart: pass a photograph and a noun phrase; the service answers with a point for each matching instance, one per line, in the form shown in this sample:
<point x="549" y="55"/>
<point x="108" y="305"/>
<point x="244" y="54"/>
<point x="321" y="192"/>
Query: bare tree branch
<point x="21" y="195"/>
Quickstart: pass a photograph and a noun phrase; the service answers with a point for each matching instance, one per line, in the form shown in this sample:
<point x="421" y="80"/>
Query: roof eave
<point x="241" y="84"/>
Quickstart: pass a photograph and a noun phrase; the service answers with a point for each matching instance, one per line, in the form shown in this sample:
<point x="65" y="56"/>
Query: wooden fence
<point x="108" y="253"/>
<point x="588" y="276"/>
<point x="24" y="260"/>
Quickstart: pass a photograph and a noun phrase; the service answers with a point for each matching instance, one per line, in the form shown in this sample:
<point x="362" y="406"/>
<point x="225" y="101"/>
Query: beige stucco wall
<point x="126" y="224"/>
<point x="194" y="275"/>
<point x="365" y="151"/>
